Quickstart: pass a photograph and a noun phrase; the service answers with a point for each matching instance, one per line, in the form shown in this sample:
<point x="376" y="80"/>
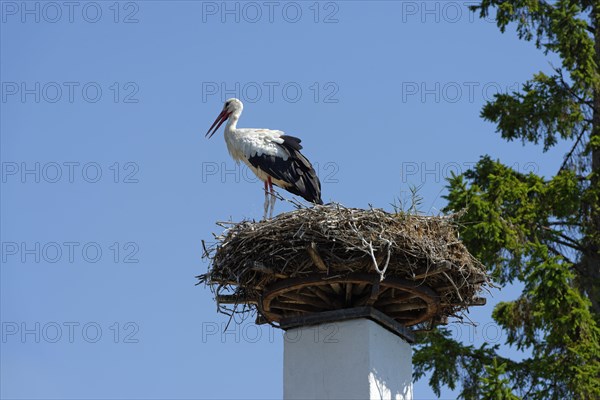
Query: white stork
<point x="274" y="157"/>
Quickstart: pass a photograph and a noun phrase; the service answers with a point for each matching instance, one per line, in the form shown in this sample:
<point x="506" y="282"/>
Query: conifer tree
<point x="542" y="232"/>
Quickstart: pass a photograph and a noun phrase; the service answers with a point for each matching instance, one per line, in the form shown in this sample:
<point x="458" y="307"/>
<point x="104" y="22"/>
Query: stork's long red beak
<point x="218" y="122"/>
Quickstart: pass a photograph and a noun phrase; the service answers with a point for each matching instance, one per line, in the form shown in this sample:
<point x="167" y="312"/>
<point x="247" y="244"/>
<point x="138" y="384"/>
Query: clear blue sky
<point x="109" y="186"/>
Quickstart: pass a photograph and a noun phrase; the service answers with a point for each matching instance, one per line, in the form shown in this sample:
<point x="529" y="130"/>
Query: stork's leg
<point x="273" y="198"/>
<point x="266" y="200"/>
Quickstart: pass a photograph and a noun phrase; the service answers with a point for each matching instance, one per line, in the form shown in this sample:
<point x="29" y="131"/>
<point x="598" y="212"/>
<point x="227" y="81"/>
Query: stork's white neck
<point x="230" y="136"/>
<point x="232" y="122"/>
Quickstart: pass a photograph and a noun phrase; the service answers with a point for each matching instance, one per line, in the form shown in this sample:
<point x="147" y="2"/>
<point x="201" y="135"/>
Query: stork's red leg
<point x="266" y="200"/>
<point x="273" y="198"/>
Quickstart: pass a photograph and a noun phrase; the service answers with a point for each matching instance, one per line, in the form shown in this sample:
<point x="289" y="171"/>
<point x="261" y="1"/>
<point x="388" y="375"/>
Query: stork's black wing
<point x="296" y="171"/>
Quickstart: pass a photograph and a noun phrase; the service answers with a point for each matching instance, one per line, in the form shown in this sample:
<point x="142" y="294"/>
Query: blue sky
<point x="109" y="186"/>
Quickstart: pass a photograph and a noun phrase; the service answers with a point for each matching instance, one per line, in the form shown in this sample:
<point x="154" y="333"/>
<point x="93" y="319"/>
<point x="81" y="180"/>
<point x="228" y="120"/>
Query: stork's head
<point x="232" y="107"/>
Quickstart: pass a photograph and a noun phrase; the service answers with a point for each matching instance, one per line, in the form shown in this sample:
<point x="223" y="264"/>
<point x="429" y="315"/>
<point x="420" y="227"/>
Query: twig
<point x="453" y="284"/>
<point x="568" y="156"/>
<point x="314" y="255"/>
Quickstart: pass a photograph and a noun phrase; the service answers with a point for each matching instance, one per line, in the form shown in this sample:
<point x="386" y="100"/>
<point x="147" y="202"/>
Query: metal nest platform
<point x="329" y="263"/>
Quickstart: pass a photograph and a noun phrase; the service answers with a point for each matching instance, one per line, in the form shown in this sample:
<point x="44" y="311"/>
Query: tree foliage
<point x="543" y="233"/>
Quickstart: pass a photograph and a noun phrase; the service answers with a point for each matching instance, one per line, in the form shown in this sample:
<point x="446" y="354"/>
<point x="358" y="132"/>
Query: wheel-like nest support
<point x="411" y="268"/>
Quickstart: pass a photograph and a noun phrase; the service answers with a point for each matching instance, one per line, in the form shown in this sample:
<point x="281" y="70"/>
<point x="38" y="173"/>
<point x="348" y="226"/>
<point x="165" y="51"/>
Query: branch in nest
<point x="316" y="258"/>
<point x="371" y="252"/>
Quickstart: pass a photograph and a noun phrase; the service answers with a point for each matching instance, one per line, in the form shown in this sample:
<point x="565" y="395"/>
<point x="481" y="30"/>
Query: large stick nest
<point x="334" y="241"/>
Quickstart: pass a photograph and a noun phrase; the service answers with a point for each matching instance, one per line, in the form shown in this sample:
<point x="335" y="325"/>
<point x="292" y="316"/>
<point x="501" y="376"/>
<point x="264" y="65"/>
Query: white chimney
<point x="350" y="359"/>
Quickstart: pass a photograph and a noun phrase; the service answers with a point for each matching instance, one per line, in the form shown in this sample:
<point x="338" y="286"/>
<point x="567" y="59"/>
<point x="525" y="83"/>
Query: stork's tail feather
<point x="313" y="186"/>
<point x="307" y="191"/>
<point x="307" y="184"/>
<point x="312" y="192"/>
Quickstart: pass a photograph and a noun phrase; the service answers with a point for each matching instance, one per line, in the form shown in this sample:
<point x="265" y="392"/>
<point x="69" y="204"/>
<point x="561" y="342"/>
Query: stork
<point x="274" y="157"/>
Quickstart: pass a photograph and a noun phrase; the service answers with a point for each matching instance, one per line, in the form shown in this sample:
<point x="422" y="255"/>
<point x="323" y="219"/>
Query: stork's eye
<point x="226" y="104"/>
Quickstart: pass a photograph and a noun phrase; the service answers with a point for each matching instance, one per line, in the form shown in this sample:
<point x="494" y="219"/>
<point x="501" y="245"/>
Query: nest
<point x="412" y="268"/>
